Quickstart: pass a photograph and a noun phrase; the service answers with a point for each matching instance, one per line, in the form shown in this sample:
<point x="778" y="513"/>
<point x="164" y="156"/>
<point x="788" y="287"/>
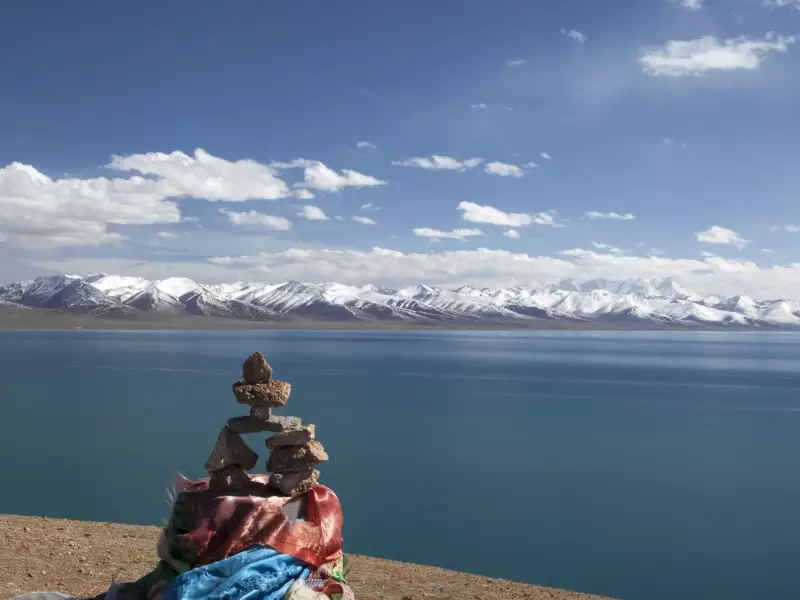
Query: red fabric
<point x="227" y="525"/>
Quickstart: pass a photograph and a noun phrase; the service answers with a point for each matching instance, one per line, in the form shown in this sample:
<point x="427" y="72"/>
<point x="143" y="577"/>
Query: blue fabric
<point x="258" y="573"/>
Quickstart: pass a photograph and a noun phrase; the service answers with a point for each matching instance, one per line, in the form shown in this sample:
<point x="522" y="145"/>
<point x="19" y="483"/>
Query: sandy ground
<point x="82" y="558"/>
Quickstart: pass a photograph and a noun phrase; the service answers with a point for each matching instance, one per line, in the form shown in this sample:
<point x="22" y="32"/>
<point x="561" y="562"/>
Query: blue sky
<point x="680" y="115"/>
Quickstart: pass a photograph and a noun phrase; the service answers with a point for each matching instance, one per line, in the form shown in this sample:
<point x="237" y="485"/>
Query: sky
<point x="513" y="142"/>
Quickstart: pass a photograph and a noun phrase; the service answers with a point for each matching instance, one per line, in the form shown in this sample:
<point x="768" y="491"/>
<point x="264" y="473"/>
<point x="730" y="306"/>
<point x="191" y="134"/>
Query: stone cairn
<point x="293" y="450"/>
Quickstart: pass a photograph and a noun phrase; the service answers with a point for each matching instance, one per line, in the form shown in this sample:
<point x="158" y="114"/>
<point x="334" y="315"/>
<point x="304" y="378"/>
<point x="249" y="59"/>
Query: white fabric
<point x="300" y="591"/>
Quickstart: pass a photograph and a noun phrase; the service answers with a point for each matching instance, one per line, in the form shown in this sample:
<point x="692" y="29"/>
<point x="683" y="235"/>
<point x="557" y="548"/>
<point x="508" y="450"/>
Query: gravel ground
<point x="82" y="558"/>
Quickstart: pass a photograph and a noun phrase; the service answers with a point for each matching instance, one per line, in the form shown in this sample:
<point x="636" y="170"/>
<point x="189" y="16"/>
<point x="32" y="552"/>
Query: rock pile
<point x="293" y="450"/>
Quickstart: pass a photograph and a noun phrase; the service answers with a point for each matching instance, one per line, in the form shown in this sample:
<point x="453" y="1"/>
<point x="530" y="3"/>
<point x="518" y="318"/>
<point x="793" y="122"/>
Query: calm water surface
<point x="637" y="465"/>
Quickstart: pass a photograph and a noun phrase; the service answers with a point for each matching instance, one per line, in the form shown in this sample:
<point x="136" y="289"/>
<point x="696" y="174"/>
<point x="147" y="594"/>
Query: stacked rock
<point x="294" y="451"/>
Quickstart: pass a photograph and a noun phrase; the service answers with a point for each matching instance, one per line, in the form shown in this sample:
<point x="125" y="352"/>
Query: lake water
<point x="637" y="465"/>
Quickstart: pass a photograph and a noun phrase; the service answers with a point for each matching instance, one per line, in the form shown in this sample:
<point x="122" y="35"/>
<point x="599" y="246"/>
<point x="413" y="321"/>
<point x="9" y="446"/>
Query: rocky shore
<point x="82" y="558"/>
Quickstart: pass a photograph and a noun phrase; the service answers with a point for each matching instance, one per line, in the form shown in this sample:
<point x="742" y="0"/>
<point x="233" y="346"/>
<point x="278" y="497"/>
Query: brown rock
<point x="292" y="437"/>
<point x="255" y="425"/>
<point x="256" y="370"/>
<point x="291" y="459"/>
<point x="232" y="477"/>
<point x="294" y="484"/>
<point x="230" y="450"/>
<point x="274" y="393"/>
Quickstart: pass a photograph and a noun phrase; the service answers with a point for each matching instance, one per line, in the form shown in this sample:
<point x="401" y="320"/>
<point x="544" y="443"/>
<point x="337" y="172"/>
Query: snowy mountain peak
<point x="177" y="286"/>
<point x="634" y="301"/>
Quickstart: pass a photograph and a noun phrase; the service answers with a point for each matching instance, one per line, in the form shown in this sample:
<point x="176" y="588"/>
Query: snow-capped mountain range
<point x="632" y="301"/>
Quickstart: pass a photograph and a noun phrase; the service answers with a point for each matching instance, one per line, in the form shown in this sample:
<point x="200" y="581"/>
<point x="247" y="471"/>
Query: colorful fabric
<point x="329" y="579"/>
<point x="222" y="526"/>
<point x="259" y="573"/>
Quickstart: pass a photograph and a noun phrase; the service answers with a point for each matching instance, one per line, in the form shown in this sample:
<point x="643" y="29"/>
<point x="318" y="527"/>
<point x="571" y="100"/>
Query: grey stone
<point x="256" y="425"/>
<point x="294" y="484"/>
<point x="261" y="412"/>
<point x="230" y="478"/>
<point x="230" y="450"/>
<point x="256" y="370"/>
<point x="274" y="393"/>
<point x="292" y="437"/>
<point x="291" y="459"/>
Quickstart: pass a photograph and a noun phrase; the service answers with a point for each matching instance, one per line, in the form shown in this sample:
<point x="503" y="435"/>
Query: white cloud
<point x="479" y="106"/>
<point x="363" y="220"/>
<point x="439" y="163"/>
<point x="369" y="206"/>
<point x="366" y="145"/>
<point x="206" y="176"/>
<point x="668" y="141"/>
<point x="502" y="268"/>
<point x="318" y="176"/>
<point x="303" y="194"/>
<point x="593" y="214"/>
<point x="167" y="235"/>
<point x="512" y="233"/>
<point x="609" y="248"/>
<point x="508" y="108"/>
<point x="792" y="228"/>
<point x="38" y="212"/>
<point x="503" y="169"/>
<point x="517" y="62"/>
<point x="253" y="218"/>
<point x="546" y="156"/>
<point x="312" y="213"/>
<point x="455" y="234"/>
<point x="721" y="235"/>
<point x="782" y="3"/>
<point x="531" y="165"/>
<point x="767" y="251"/>
<point x="693" y="5"/>
<point x="576" y="35"/>
<point x="493" y="216"/>
<point x="694" y="57"/>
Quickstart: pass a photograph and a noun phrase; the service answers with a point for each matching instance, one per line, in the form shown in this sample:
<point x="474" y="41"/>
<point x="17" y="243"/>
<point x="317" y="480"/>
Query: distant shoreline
<point x="38" y="320"/>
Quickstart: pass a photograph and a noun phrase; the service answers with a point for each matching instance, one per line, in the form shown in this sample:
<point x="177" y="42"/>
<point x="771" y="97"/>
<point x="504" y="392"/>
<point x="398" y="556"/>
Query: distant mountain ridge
<point x="631" y="301"/>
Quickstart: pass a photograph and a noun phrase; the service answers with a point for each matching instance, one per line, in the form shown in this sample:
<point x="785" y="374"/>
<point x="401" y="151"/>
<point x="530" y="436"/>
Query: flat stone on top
<point x="291" y="459"/>
<point x="292" y="437"/>
<point x="274" y="393"/>
<point x="256" y="370"/>
<point x="230" y="450"/>
<point x="255" y="425"/>
<point x="294" y="484"/>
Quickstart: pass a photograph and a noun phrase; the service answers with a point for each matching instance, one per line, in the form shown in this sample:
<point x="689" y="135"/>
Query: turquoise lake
<point x="644" y="466"/>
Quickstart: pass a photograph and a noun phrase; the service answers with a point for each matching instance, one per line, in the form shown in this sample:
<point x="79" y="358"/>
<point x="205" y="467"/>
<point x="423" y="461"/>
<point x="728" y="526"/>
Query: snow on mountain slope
<point x="118" y="286"/>
<point x="40" y="290"/>
<point x="600" y="300"/>
<point x="177" y="286"/>
<point x="78" y="295"/>
<point x="153" y="299"/>
<point x="653" y="288"/>
<point x="781" y="312"/>
<point x="739" y="304"/>
<point x="6" y="306"/>
<point x="207" y="303"/>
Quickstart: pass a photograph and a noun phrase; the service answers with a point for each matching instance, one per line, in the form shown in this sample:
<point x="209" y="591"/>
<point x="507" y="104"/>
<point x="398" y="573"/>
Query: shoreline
<point x="58" y="321"/>
<point x="83" y="558"/>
